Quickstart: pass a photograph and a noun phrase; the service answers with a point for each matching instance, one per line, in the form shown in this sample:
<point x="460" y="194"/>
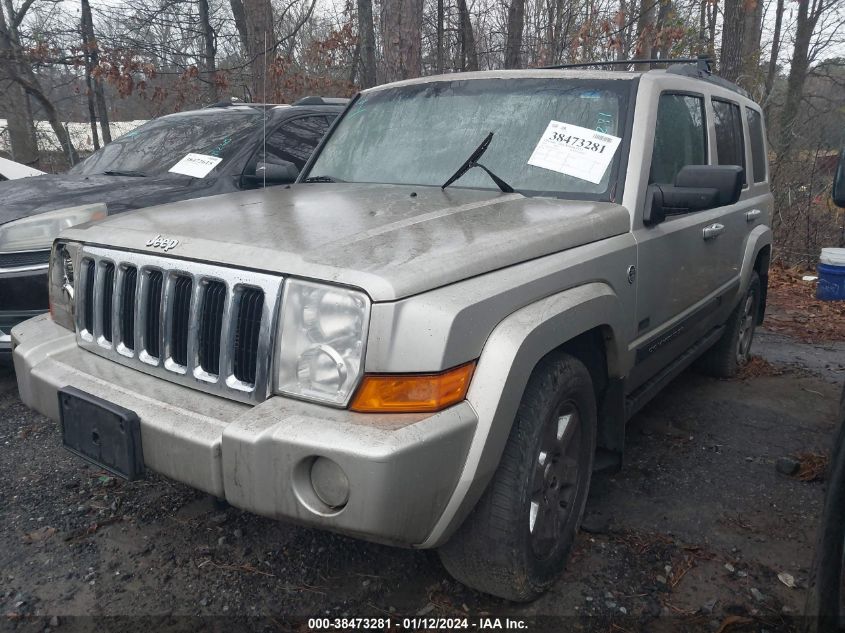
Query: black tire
<point x="825" y="610"/>
<point x="733" y="349"/>
<point x="515" y="542"/>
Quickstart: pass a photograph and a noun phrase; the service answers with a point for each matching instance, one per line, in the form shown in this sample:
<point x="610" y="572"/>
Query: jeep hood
<point x="30" y="196"/>
<point x="392" y="241"/>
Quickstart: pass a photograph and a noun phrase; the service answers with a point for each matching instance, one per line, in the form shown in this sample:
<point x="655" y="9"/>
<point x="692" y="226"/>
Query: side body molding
<point x="510" y="354"/>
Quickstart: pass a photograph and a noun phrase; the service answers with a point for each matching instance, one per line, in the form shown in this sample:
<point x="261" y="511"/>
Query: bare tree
<point x="516" y="26"/>
<point x="254" y="21"/>
<point x="367" y="42"/>
<point x="92" y="55"/>
<point x="209" y="49"/>
<point x="402" y="38"/>
<point x="19" y="70"/>
<point x="773" y="56"/>
<point x="469" y="54"/>
<point x="740" y="53"/>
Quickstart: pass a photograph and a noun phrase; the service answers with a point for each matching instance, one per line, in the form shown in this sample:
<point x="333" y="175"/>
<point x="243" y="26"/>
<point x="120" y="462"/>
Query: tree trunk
<point x="805" y="24"/>
<point x="29" y="81"/>
<point x="92" y="108"/>
<point x="664" y="43"/>
<point x="516" y="25"/>
<point x="209" y="50"/>
<point x="441" y="16"/>
<point x="740" y="54"/>
<point x="93" y="53"/>
<point x="469" y="55"/>
<point x="21" y="127"/>
<point x="402" y="37"/>
<point x="254" y="22"/>
<point x="367" y="42"/>
<point x="645" y="32"/>
<point x="773" y="57"/>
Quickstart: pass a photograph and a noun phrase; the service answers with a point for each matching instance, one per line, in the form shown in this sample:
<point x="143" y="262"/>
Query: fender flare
<point x="758" y="239"/>
<point x="510" y="354"/>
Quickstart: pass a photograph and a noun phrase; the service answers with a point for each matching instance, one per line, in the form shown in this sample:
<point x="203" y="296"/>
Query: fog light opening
<point x="330" y="483"/>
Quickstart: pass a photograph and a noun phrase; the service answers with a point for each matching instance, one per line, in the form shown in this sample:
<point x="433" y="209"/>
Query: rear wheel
<point x="733" y="349"/>
<point x="516" y="541"/>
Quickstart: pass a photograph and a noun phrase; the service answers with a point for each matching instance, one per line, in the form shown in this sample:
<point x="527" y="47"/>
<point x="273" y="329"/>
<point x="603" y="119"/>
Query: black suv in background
<point x="191" y="154"/>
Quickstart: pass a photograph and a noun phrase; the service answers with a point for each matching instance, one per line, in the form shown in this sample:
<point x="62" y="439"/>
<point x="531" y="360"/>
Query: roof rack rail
<point x="226" y="103"/>
<point x="698" y="73"/>
<point x="321" y="101"/>
<point x="702" y="63"/>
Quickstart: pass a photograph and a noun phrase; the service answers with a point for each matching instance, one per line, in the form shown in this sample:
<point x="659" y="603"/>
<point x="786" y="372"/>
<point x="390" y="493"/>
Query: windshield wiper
<point x="118" y="172"/>
<point x="323" y="179"/>
<point x="472" y="161"/>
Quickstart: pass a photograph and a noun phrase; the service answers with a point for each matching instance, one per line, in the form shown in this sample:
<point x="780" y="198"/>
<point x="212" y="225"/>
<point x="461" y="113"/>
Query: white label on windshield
<point x="196" y="165"/>
<point x="575" y="151"/>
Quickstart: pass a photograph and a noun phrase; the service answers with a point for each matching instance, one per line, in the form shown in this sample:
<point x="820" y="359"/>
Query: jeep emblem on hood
<point x="163" y="243"/>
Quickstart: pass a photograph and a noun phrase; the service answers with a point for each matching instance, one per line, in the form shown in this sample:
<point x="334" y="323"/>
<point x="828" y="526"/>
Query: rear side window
<point x="730" y="143"/>
<point x="758" y="146"/>
<point x="295" y="140"/>
<point x="680" y="136"/>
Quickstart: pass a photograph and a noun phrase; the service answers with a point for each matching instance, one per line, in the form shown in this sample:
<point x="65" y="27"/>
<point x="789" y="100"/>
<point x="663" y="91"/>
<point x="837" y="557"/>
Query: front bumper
<point x="23" y="294"/>
<point x="402" y="469"/>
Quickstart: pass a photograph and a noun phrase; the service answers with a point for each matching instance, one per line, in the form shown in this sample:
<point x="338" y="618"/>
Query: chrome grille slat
<point x="179" y="319"/>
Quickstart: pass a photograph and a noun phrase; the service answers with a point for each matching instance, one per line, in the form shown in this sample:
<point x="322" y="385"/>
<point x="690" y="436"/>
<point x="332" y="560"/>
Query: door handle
<point x="713" y="231"/>
<point x="751" y="216"/>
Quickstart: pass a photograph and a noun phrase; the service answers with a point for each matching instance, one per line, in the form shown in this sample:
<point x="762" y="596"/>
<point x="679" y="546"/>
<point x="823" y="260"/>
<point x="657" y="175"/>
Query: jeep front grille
<point x="207" y="327"/>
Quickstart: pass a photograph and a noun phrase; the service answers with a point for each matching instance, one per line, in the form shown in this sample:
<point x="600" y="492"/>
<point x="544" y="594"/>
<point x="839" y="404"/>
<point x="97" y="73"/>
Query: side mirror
<point x="839" y="181"/>
<point x="279" y="173"/>
<point x="696" y="188"/>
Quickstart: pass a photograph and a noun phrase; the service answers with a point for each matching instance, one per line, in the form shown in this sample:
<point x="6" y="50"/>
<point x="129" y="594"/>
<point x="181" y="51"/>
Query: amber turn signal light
<point x="412" y="393"/>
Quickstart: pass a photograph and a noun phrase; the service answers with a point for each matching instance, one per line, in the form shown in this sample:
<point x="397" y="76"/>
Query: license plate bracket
<point x="101" y="432"/>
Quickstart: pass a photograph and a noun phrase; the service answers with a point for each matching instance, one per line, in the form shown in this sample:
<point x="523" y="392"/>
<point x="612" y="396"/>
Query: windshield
<point x="420" y="134"/>
<point x="153" y="148"/>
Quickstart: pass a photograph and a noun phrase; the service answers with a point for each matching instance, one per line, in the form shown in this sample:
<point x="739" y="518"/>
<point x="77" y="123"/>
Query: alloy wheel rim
<point x="554" y="482"/>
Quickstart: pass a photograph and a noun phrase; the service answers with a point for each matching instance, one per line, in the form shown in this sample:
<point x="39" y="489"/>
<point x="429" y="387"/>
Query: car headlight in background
<point x="320" y="354"/>
<point x="38" y="231"/>
<point x="64" y="264"/>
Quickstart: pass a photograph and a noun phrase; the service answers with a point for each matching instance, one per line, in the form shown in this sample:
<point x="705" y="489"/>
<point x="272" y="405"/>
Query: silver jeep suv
<point x="434" y="336"/>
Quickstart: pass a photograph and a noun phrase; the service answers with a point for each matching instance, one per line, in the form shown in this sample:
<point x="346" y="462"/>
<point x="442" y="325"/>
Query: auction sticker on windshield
<point x="575" y="151"/>
<point x="196" y="165"/>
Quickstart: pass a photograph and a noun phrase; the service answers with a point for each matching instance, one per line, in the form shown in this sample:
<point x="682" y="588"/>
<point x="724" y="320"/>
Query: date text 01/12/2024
<point x="417" y="624"/>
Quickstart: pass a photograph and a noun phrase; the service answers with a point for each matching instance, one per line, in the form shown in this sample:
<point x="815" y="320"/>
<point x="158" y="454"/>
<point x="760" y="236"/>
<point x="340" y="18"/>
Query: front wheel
<point x="516" y="541"/>
<point x="733" y="350"/>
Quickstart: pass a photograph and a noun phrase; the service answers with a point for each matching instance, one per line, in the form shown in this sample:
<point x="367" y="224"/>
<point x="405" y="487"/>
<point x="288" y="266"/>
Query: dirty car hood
<point x="30" y="196"/>
<point x="392" y="241"/>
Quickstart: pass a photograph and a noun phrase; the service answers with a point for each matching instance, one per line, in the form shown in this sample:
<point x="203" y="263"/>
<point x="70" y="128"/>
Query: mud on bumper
<point x="401" y="469"/>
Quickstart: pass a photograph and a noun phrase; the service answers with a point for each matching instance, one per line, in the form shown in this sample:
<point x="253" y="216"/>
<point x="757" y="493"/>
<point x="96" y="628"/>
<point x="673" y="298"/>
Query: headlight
<point x="321" y="347"/>
<point x="64" y="263"/>
<point x="39" y="231"/>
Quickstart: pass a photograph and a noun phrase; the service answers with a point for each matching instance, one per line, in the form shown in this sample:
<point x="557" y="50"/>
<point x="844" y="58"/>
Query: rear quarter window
<point x="730" y="142"/>
<point x="758" y="144"/>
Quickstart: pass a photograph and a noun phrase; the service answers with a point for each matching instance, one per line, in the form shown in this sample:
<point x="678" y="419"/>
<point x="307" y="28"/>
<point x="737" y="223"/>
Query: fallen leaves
<point x="813" y="466"/>
<point x="787" y="579"/>
<point x="733" y="621"/>
<point x="39" y="535"/>
<point x="757" y="367"/>
<point x="794" y="310"/>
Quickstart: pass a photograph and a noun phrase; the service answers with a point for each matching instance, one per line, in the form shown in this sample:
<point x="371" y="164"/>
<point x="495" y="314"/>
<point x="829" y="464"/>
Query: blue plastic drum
<point x="831" y="286"/>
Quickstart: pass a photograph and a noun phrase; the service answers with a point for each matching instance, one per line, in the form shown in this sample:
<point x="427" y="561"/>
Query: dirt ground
<point x="691" y="534"/>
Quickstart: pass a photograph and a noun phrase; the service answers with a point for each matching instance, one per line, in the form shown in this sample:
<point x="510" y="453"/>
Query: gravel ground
<point x="691" y="534"/>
